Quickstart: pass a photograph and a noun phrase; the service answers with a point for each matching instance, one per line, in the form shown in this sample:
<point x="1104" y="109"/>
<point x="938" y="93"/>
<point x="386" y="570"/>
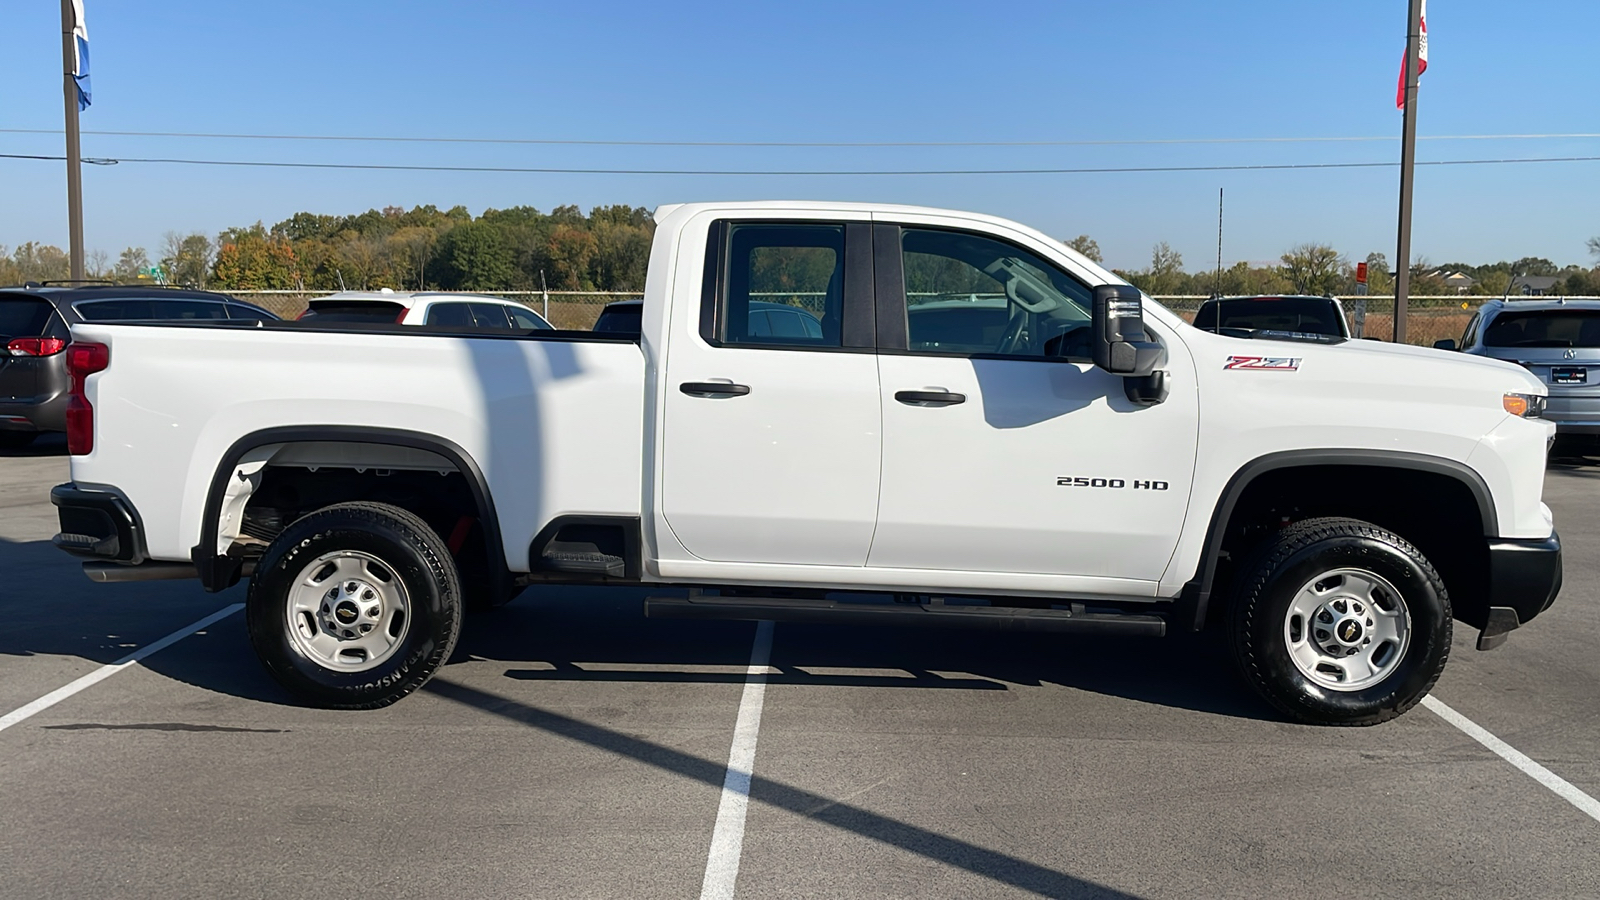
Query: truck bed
<point x="519" y="406"/>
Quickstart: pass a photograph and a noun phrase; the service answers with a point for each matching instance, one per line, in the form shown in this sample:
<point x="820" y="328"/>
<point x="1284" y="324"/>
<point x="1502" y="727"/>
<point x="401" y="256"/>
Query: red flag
<point x="1422" y="60"/>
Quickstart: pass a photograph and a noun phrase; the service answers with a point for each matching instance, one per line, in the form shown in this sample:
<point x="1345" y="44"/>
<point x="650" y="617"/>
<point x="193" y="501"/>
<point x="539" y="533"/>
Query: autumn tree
<point x="1087" y="246"/>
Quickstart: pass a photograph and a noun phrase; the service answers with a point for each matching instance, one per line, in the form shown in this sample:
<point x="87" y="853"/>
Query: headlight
<point x="1528" y="406"/>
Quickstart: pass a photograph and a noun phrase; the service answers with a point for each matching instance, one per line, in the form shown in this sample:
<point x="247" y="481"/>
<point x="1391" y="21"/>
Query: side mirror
<point x="1120" y="344"/>
<point x="1446" y="344"/>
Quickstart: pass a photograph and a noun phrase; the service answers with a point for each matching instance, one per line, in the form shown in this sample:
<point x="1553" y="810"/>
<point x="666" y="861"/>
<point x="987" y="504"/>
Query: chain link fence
<point x="1429" y="318"/>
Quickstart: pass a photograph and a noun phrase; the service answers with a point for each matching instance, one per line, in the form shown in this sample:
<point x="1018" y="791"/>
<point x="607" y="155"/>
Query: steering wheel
<point x="1016" y="333"/>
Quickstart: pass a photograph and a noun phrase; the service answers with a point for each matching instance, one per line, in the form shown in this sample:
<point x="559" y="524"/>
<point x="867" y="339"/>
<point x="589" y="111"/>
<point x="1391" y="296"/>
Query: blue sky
<point x="829" y="71"/>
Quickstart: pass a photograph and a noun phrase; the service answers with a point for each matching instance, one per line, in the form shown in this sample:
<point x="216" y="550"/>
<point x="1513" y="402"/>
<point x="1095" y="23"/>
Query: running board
<point x="117" y="573"/>
<point x="993" y="618"/>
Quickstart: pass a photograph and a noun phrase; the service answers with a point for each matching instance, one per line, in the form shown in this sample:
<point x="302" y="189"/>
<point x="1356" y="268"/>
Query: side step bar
<point x="117" y="573"/>
<point x="994" y="618"/>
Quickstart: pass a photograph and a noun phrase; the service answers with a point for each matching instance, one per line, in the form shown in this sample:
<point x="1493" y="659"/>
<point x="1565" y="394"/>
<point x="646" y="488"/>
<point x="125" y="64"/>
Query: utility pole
<point x="1408" y="161"/>
<point x="74" y="172"/>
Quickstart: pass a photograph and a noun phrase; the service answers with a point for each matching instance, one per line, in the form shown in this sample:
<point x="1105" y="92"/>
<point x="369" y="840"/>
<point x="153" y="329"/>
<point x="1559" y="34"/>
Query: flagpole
<point x="1408" y="160"/>
<point x="74" y="173"/>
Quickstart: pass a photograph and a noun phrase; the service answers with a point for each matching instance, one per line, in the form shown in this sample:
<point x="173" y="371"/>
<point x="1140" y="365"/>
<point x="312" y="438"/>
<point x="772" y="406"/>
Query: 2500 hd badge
<point x="1137" y="484"/>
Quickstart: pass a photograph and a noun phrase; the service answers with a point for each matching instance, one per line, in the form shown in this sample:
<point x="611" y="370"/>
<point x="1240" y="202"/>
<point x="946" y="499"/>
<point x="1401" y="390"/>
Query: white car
<point x="973" y="419"/>
<point x="424" y="308"/>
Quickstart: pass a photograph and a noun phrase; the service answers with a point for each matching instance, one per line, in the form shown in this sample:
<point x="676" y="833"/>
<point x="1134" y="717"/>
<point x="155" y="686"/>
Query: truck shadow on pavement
<point x="599" y="635"/>
<point x="982" y="861"/>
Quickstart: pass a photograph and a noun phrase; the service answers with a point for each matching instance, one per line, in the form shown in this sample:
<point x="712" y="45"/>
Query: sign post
<point x="1408" y="162"/>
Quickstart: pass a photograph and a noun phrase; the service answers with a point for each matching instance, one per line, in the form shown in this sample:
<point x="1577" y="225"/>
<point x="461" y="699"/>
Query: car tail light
<point x="83" y="360"/>
<point x="36" y="346"/>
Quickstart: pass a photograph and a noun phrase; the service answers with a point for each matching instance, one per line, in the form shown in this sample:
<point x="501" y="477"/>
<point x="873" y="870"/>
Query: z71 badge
<point x="1269" y="363"/>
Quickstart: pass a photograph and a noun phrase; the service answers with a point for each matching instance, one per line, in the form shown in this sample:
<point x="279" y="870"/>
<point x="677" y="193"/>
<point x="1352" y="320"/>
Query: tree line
<point x="521" y="248"/>
<point x="1320" y="269"/>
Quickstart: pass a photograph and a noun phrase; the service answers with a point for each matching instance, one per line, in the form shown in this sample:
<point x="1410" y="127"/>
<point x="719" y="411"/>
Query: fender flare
<point x="1199" y="589"/>
<point x="221" y="572"/>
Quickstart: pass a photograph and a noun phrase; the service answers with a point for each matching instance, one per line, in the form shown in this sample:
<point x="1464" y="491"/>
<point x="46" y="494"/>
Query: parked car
<point x="1285" y="317"/>
<point x="1557" y="340"/>
<point x="424" y="308"/>
<point x="779" y="320"/>
<point x="34" y="331"/>
<point x="982" y="422"/>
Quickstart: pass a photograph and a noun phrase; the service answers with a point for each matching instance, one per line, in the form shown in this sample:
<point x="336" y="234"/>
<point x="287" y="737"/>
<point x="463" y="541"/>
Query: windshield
<point x="621" y="320"/>
<point x="1544" y="328"/>
<point x="1287" y="318"/>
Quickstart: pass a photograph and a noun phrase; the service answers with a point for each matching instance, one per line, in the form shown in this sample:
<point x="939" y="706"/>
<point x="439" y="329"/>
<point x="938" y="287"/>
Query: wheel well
<point x="263" y="487"/>
<point x="1437" y="512"/>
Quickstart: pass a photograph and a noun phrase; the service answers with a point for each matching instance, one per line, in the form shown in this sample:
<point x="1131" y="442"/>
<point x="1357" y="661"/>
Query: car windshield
<point x="1281" y="318"/>
<point x="1544" y="328"/>
<point x="621" y="320"/>
<point x="23" y="316"/>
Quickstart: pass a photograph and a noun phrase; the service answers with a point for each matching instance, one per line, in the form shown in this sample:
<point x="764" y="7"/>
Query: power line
<point x="800" y="172"/>
<point x="814" y="144"/>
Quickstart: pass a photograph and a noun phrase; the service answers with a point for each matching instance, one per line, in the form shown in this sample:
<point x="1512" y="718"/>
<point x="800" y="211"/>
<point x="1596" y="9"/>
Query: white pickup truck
<point x="833" y="412"/>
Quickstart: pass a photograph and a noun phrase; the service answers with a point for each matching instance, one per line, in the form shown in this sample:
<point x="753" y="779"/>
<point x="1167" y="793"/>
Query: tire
<point x="16" y="440"/>
<point x="1354" y="589"/>
<point x="383" y="626"/>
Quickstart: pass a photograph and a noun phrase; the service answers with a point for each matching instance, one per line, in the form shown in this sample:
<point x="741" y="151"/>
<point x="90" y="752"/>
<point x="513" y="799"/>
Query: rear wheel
<point x="1340" y="622"/>
<point x="354" y="606"/>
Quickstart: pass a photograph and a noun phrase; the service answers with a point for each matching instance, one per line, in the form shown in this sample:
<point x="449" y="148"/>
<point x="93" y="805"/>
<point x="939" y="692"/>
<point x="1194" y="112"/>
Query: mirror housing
<point x="1120" y="344"/>
<point x="1446" y="344"/>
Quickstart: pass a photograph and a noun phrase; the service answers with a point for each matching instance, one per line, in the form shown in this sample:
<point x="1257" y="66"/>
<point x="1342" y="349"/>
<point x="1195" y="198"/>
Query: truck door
<point x="1005" y="449"/>
<point x="771" y="419"/>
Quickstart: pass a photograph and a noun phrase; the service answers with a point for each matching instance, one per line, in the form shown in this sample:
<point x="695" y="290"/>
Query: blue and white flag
<point x="80" y="54"/>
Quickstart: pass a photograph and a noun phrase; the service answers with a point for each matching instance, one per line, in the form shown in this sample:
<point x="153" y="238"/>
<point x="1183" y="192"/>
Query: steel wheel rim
<point x="347" y="611"/>
<point x="1347" y="629"/>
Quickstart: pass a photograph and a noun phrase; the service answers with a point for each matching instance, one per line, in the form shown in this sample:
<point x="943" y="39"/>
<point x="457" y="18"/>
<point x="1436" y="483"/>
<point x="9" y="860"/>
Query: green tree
<point x="474" y="256"/>
<point x="1087" y="246"/>
<point x="1313" y="268"/>
<point x="1535" y="265"/>
<point x="130" y="263"/>
<point x="571" y="251"/>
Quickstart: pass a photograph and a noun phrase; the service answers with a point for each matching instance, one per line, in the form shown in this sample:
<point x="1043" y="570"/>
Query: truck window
<point x="972" y="295"/>
<point x="784" y="286"/>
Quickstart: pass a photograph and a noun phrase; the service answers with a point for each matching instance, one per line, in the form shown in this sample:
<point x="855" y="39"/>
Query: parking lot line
<point x="110" y="669"/>
<point x="1562" y="787"/>
<point x="727" y="838"/>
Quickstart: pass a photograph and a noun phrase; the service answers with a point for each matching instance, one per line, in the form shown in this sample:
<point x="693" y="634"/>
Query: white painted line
<point x="1562" y="787"/>
<point x="106" y="671"/>
<point x="727" y="839"/>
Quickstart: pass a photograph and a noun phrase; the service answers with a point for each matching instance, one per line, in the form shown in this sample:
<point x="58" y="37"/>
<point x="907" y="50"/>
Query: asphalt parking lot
<point x="572" y="748"/>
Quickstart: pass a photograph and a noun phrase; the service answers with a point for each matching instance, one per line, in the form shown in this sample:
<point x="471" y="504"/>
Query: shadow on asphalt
<point x="569" y="631"/>
<point x="981" y="861"/>
<point x="597" y="634"/>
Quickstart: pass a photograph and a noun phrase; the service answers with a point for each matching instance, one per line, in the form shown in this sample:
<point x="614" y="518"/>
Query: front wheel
<point x="354" y="606"/>
<point x="1340" y="622"/>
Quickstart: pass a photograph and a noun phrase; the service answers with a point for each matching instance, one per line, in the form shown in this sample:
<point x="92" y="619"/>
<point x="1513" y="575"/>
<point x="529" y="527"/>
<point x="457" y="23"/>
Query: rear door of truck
<point x="772" y="421"/>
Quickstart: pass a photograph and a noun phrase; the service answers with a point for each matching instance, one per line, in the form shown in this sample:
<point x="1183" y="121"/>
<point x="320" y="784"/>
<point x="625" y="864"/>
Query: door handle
<point x="713" y="389"/>
<point x="930" y="398"/>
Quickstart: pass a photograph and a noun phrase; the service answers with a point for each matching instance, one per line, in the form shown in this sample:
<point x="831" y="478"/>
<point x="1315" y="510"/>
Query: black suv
<point x="34" y="322"/>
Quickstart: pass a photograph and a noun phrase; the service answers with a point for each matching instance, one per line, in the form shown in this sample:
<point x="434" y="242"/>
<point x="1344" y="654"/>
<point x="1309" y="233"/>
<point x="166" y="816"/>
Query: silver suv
<point x="1557" y="340"/>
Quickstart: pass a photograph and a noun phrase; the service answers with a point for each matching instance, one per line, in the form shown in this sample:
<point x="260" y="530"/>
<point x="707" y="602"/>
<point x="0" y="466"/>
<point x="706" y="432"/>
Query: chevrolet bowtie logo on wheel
<point x="1348" y="631"/>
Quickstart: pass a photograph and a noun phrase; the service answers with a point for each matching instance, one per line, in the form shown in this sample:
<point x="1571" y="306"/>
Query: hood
<point x="1365" y="360"/>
